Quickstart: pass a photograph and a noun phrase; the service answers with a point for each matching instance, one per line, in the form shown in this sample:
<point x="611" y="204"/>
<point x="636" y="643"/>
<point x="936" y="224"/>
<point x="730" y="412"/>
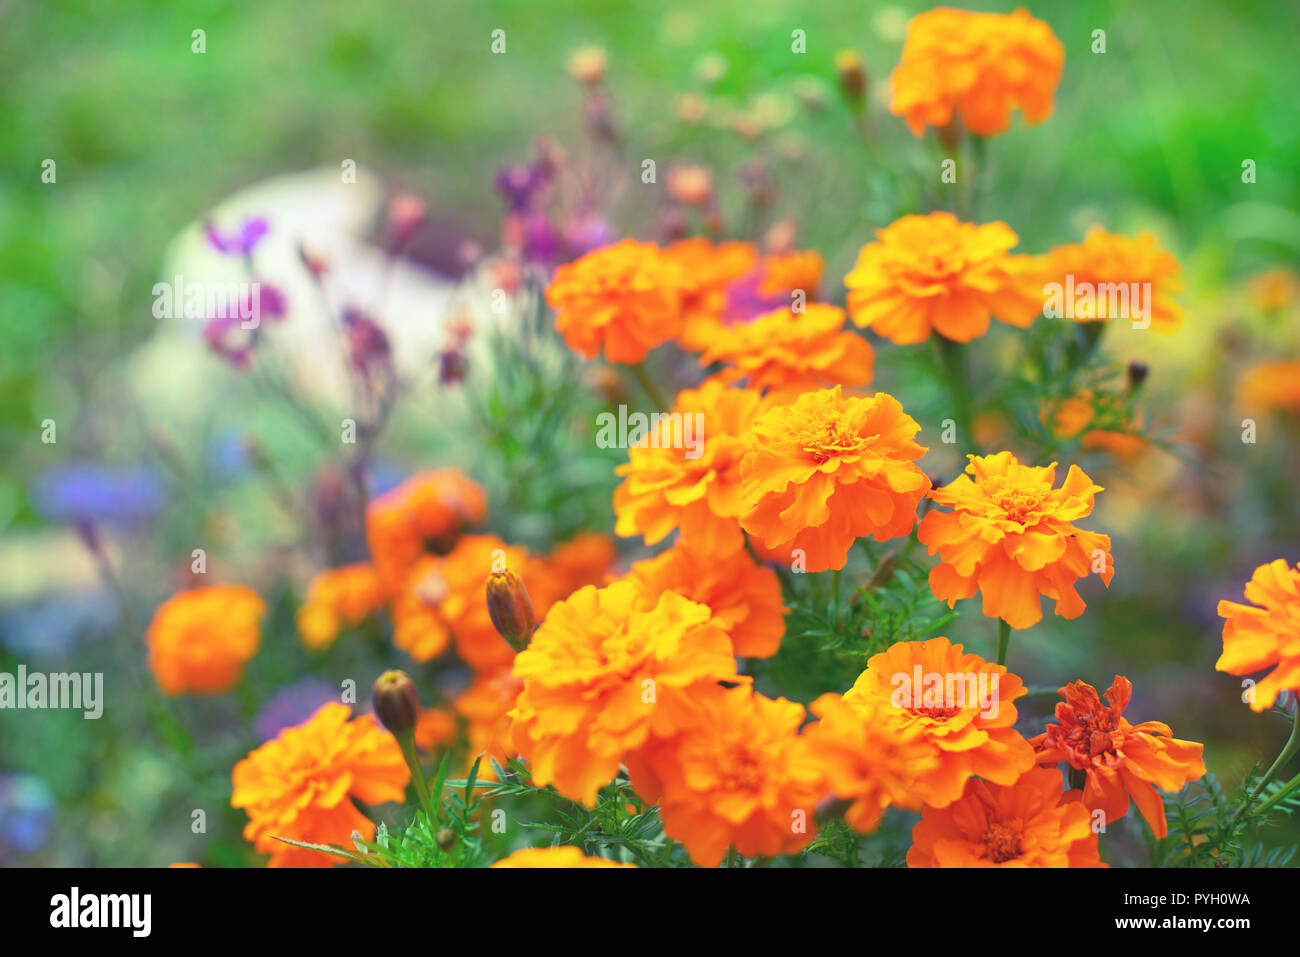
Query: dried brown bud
<point x="510" y="608"/>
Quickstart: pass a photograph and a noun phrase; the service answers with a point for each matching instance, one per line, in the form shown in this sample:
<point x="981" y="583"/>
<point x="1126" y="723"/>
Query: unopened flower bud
<point x="445" y="838"/>
<point x="852" y="74"/>
<point x="588" y="65"/>
<point x="1137" y="373"/>
<point x="396" y="704"/>
<point x="510" y="608"/>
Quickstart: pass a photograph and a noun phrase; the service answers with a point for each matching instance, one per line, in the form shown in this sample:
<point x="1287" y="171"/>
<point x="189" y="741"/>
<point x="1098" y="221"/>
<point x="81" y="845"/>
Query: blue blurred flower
<point x="291" y="705"/>
<point x="81" y="492"/>
<point x="26" y="813"/>
<point x="53" y="625"/>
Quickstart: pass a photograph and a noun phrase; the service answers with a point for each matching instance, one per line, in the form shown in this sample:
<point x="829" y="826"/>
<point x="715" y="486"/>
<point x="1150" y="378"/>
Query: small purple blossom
<point x="522" y="186"/>
<point x="292" y="705"/>
<point x="26" y="815"/>
<point x="239" y="243"/>
<point x="86" y="493"/>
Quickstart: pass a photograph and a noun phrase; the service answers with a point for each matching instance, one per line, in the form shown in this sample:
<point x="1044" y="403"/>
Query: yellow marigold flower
<point x="601" y="676"/>
<point x="555" y="857"/>
<point x="786" y="353"/>
<point x="936" y="273"/>
<point x="1255" y="638"/>
<point x="1111" y="276"/>
<point x="426" y="513"/>
<point x="830" y="469"/>
<point x="738" y="776"/>
<point x="337" y="597"/>
<point x="625" y="299"/>
<point x="1029" y="823"/>
<point x="1268" y="386"/>
<point x="668" y="485"/>
<point x="1121" y="761"/>
<point x="200" y="639"/>
<point x="745" y="597"/>
<point x="870" y="755"/>
<point x="961" y="703"/>
<point x="979" y="66"/>
<point x="1273" y="289"/>
<point x="1011" y="536"/>
<point x="300" y="785"/>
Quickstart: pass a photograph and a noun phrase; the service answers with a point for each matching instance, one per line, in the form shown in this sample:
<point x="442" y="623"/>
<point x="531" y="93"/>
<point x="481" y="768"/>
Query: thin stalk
<point x="1288" y="750"/>
<point x="1004" y="641"/>
<point x="952" y="365"/>
<point x="648" y="386"/>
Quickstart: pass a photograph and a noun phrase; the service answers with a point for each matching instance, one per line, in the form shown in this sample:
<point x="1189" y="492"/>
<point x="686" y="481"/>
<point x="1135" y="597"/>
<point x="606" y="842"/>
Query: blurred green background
<point x="148" y="136"/>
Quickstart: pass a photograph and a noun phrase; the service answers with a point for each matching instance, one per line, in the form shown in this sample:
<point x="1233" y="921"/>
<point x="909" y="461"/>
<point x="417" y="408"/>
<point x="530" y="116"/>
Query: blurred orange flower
<point x="737" y="776"/>
<point x="694" y="489"/>
<point x="1255" y="638"/>
<point x="782" y="273"/>
<point x="1011" y="536"/>
<point x="200" y="639"/>
<point x="1107" y="276"/>
<point x="1273" y="289"/>
<point x="870" y="755"/>
<point x="300" y="785"/>
<point x="827" y="470"/>
<point x="980" y="66"/>
<point x="788" y="353"/>
<point x="1070" y="418"/>
<point x="436" y="728"/>
<point x="745" y="597"/>
<point x="426" y="513"/>
<point x="936" y="273"/>
<point x="1121" y="760"/>
<point x="1267" y="386"/>
<point x="1026" y="824"/>
<point x="961" y="703"/>
<point x="625" y="299"/>
<point x="337" y="597"/>
<point x="708" y="270"/>
<point x="554" y="857"/>
<point x="601" y="676"/>
<point x="486" y="705"/>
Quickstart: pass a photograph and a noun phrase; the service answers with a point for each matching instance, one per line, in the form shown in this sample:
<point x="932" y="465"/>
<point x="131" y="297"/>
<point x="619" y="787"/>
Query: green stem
<point x="1288" y="750"/>
<point x="835" y="598"/>
<point x="407" y="742"/>
<point x="952" y="365"/>
<point x="647" y="386"/>
<point x="1004" y="640"/>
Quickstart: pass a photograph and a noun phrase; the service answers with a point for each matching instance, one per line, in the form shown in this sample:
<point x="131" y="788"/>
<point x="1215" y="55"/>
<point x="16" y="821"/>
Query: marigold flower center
<point x="1004" y="840"/>
<point x="831" y="438"/>
<point x="1018" y="502"/>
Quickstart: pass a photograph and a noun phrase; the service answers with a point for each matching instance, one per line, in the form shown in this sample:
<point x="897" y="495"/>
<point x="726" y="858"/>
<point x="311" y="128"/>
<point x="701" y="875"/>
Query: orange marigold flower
<point x="1273" y="289"/>
<point x="795" y="269"/>
<point x="436" y="728"/>
<point x="1121" y="760"/>
<point x="788" y="353"/>
<point x="936" y="273"/>
<point x="1070" y="418"/>
<point x="737" y="776"/>
<point x="555" y="857"/>
<point x="426" y="513"/>
<point x="1266" y="386"/>
<point x="1026" y="824"/>
<point x="981" y="66"/>
<point x="1011" y="536"/>
<point x="961" y="703"/>
<point x="829" y="469"/>
<point x="585" y="559"/>
<point x="1255" y="638"/>
<point x="300" y="785"/>
<point x="1108" y="276"/>
<point x="486" y="705"/>
<point x="200" y="639"/>
<point x="870" y="755"/>
<point x="668" y="485"/>
<point x="625" y="299"/>
<point x="745" y="597"/>
<point x="601" y="676"/>
<point x="708" y="269"/>
<point x="338" y="597"/>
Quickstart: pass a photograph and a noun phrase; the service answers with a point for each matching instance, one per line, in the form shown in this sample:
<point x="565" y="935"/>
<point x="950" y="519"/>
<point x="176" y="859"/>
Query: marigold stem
<point x="648" y="386"/>
<point x="1004" y="641"/>
<point x="952" y="363"/>
<point x="407" y="742"/>
<point x="1288" y="750"/>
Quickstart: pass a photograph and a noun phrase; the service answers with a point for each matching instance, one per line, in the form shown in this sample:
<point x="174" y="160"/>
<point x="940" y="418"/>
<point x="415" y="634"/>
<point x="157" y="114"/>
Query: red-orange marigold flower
<point x="870" y="755"/>
<point x="200" y="639"/>
<point x="1121" y="760"/>
<point x="738" y="776"/>
<point x="543" y="857"/>
<point x="981" y="66"/>
<point x="1266" y="386"/>
<point x="337" y="597"/>
<point x="1108" y="276"/>
<point x="708" y="270"/>
<point x="787" y="353"/>
<point x="426" y="513"/>
<point x="933" y="272"/>
<point x="1255" y="638"/>
<point x="601" y="676"/>
<point x="625" y="299"/>
<point x="1011" y="536"/>
<point x="1026" y="824"/>
<point x="963" y="706"/>
<point x="668" y="485"/>
<point x="300" y="785"/>
<point x="829" y="469"/>
<point x="745" y="597"/>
